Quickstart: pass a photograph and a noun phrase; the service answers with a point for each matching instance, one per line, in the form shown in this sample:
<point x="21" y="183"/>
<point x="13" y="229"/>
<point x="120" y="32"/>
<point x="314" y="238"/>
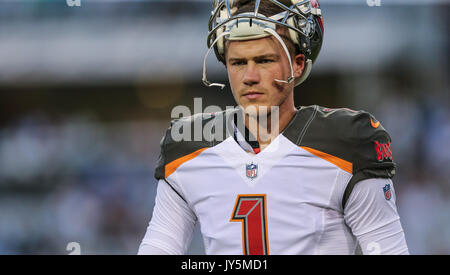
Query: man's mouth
<point x="252" y="95"/>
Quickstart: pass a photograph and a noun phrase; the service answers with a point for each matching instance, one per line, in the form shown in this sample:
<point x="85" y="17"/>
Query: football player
<point x="317" y="182"/>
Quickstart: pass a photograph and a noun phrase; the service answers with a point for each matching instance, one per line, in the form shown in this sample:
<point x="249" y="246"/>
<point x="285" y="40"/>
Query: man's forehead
<point x="253" y="48"/>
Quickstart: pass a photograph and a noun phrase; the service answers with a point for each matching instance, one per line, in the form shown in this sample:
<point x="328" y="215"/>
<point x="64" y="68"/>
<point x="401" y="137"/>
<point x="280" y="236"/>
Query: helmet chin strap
<point x="289" y="80"/>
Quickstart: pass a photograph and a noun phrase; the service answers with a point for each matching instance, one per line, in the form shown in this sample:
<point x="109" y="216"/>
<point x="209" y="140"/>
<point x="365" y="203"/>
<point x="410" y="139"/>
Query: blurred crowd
<point x="76" y="181"/>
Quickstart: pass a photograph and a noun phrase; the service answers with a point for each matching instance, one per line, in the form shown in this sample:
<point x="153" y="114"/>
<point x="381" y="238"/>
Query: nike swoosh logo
<point x="374" y="124"/>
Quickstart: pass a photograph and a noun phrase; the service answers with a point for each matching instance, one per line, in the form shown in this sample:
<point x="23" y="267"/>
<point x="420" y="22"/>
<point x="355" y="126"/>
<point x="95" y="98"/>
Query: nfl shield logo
<point x="252" y="170"/>
<point x="387" y="191"/>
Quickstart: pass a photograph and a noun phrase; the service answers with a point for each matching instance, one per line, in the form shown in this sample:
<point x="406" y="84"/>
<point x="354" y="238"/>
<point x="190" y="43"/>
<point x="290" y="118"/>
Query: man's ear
<point x="298" y="65"/>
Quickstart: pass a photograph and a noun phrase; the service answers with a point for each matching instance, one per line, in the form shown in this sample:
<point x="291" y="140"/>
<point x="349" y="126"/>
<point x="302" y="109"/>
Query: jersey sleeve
<point x="172" y="224"/>
<point x="370" y="146"/>
<point x="171" y="227"/>
<point x="173" y="145"/>
<point x="372" y="215"/>
<point x="187" y="135"/>
<point x="355" y="138"/>
<point x="372" y="151"/>
<point x="165" y="147"/>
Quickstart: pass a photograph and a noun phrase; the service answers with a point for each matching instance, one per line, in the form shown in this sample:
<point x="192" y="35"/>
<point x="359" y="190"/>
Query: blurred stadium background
<point x="86" y="94"/>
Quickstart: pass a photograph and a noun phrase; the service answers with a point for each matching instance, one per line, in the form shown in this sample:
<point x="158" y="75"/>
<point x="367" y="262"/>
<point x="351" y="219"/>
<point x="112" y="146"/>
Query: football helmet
<point x="303" y="19"/>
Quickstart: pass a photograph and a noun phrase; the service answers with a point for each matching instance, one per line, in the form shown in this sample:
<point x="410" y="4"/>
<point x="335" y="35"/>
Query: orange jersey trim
<point x="172" y="166"/>
<point x="374" y="124"/>
<point x="343" y="164"/>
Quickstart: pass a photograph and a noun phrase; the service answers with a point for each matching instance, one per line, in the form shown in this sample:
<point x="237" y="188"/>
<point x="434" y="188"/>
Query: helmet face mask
<point x="302" y="19"/>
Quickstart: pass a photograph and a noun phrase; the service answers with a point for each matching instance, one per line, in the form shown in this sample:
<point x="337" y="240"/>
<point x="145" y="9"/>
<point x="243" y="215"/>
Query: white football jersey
<point x="291" y="197"/>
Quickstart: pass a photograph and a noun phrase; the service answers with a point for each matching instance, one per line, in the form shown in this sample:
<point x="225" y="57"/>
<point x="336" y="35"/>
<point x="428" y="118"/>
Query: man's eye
<point x="238" y="63"/>
<point x="266" y="61"/>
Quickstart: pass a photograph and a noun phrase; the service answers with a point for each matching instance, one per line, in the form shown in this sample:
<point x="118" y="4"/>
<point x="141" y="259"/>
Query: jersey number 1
<point x="251" y="211"/>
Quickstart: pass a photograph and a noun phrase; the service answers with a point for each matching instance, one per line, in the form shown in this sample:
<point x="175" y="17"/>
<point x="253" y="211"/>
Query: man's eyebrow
<point x="264" y="56"/>
<point x="231" y="59"/>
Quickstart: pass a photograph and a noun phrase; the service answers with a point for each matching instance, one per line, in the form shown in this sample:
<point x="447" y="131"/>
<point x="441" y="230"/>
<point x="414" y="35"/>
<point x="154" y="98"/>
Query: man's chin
<point x="256" y="109"/>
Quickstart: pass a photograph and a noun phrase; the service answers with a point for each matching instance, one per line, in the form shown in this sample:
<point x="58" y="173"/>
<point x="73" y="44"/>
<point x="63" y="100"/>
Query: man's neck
<point x="276" y="122"/>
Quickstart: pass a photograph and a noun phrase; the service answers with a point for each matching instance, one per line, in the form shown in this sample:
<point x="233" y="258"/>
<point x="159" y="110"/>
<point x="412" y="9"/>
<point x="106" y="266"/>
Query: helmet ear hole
<point x="305" y="74"/>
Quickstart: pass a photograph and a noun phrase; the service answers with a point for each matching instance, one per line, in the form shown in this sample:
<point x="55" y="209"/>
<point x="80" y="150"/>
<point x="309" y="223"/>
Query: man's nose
<point x="251" y="76"/>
